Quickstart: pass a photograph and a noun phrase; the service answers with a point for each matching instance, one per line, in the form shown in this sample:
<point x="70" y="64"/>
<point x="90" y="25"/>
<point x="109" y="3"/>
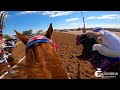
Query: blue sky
<point x="40" y="20"/>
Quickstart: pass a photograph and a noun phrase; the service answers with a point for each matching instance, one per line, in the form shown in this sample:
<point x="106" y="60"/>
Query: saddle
<point x="104" y="62"/>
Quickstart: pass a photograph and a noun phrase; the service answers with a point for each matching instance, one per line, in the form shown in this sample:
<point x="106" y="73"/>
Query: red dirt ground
<point x="67" y="52"/>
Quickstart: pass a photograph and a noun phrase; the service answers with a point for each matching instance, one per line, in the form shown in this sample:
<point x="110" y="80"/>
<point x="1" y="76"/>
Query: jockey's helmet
<point x="97" y="29"/>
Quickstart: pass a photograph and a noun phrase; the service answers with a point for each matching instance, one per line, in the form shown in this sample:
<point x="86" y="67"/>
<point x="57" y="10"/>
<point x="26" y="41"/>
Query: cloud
<point x="103" y="25"/>
<point x="49" y="13"/>
<point x="110" y="16"/>
<point x="71" y="19"/>
<point x="68" y="26"/>
<point x="57" y="13"/>
<point x="80" y="25"/>
<point x="92" y="17"/>
<point x="27" y="12"/>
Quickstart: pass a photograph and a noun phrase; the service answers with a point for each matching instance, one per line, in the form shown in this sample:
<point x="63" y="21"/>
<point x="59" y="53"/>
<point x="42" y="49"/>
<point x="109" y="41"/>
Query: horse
<point x="87" y="54"/>
<point x="41" y="58"/>
<point x="87" y="44"/>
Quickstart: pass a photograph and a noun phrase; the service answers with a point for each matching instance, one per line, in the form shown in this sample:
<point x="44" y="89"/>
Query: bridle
<point x="85" y="38"/>
<point x="40" y="39"/>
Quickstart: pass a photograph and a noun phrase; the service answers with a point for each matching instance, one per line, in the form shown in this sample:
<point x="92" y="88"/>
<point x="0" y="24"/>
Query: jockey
<point x="108" y="42"/>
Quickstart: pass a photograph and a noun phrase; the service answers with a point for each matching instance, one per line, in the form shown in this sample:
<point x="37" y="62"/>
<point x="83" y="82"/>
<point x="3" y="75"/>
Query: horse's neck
<point x="48" y="67"/>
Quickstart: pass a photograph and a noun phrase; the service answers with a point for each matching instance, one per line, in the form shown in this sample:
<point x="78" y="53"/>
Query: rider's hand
<point x="88" y="34"/>
<point x="99" y="40"/>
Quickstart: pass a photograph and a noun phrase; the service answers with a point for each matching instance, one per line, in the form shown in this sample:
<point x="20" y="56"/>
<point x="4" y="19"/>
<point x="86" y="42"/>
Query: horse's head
<point x="36" y="46"/>
<point x="41" y="56"/>
<point x="81" y="38"/>
<point x="87" y="43"/>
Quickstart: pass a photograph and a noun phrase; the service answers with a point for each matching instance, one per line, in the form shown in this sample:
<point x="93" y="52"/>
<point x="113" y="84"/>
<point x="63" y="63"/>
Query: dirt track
<point x="67" y="52"/>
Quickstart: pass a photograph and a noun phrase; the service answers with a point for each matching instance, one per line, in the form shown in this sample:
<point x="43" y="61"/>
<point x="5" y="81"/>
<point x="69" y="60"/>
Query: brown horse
<point x="41" y="58"/>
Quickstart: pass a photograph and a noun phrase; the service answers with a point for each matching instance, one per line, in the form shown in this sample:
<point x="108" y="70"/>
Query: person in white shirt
<point x="12" y="42"/>
<point x="110" y="44"/>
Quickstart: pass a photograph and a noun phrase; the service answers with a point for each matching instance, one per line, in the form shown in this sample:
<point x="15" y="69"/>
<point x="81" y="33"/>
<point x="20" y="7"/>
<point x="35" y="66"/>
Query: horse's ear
<point x="49" y="31"/>
<point x="22" y="37"/>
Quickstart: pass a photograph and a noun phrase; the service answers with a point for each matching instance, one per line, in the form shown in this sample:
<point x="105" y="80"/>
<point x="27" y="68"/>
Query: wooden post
<point x="84" y="30"/>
